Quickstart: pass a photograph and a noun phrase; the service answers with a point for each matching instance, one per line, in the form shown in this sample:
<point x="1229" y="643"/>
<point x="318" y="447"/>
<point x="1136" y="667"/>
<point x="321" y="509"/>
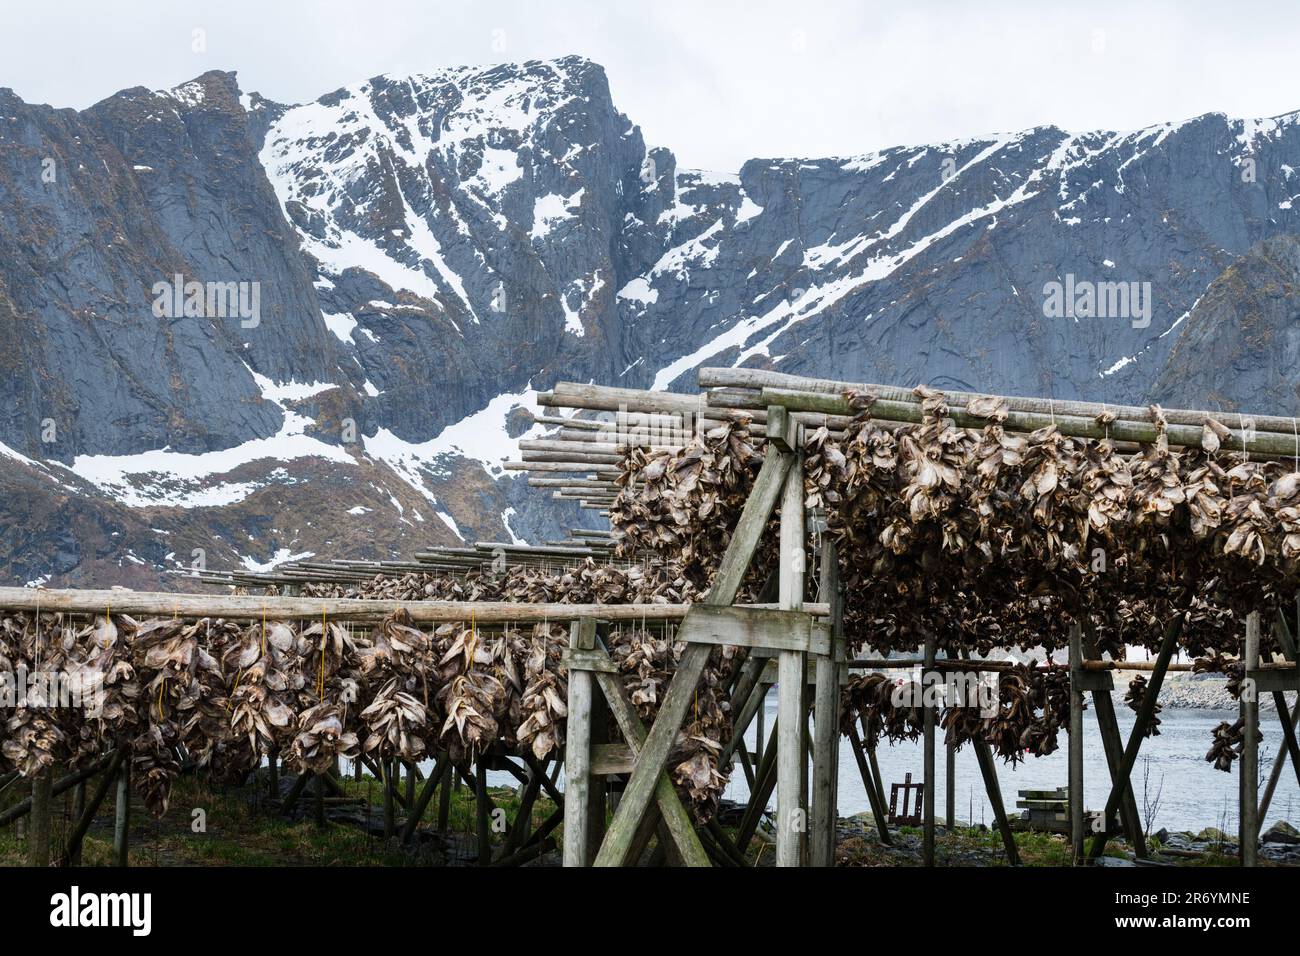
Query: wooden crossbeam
<point x="754" y="627"/>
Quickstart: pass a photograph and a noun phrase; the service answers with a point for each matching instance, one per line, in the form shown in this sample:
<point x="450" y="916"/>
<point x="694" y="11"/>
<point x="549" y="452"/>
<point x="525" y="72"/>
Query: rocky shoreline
<point x="1192" y="691"/>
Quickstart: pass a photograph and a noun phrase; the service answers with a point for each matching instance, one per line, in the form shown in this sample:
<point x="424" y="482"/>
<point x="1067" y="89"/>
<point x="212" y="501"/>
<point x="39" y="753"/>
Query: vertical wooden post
<point x="386" y="765"/>
<point x="78" y="811"/>
<point x="482" y="811"/>
<point x="1076" y="744"/>
<point x="577" y="752"/>
<point x="792" y="674"/>
<point x="950" y="785"/>
<point x="122" y="817"/>
<point x="1249" y="812"/>
<point x="598" y="788"/>
<point x="928" y="706"/>
<point x="318" y="810"/>
<point x="826" y="713"/>
<point x="444" y="795"/>
<point x="38" y="834"/>
<point x="273" y="773"/>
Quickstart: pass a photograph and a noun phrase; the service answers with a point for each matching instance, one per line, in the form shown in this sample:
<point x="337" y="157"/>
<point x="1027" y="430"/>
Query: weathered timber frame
<point x="791" y="632"/>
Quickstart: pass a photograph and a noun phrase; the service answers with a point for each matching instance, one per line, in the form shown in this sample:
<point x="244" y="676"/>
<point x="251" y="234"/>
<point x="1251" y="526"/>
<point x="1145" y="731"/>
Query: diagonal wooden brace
<point x="674" y="815"/>
<point x="653" y="758"/>
<point x="1137" y="734"/>
<point x="1285" y="640"/>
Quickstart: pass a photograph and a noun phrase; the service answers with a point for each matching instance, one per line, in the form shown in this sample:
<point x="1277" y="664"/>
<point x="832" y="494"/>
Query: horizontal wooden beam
<point x="283" y="608"/>
<point x="759" y="379"/>
<point x="610" y="759"/>
<point x="753" y="627"/>
<point x="577" y="659"/>
<point x="1268" y="443"/>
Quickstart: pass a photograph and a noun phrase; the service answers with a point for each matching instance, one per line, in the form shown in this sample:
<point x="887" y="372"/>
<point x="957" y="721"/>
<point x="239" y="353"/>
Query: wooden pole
<point x="273" y="773"/>
<point x="319" y="802"/>
<point x="826" y="715"/>
<point x="577" y="751"/>
<point x="295" y="791"/>
<point x="38" y="835"/>
<point x="483" y="811"/>
<point x="1258" y="442"/>
<point x="763" y="378"/>
<point x="416" y="809"/>
<point x="88" y="812"/>
<point x="869" y="785"/>
<point x="78" y="811"/>
<point x="993" y="789"/>
<point x="928" y="722"/>
<point x="764" y="784"/>
<point x="390" y="812"/>
<point x="122" y="816"/>
<point x="950" y="785"/>
<point x="597" y="787"/>
<point x="523" y="821"/>
<point x="879" y="781"/>
<point x="444" y="797"/>
<point x="1137" y="734"/>
<point x="792" y="672"/>
<point x="1108" y="729"/>
<point x="1249" y="769"/>
<point x="283" y="608"/>
<point x="1076" y="744"/>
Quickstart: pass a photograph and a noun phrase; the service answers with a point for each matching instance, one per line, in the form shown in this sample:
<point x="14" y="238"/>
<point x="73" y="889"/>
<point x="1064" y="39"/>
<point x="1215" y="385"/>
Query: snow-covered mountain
<point x="408" y="260"/>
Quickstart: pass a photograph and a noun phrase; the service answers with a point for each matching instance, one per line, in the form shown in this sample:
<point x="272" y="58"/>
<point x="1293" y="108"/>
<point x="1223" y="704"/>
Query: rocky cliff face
<point x="255" y="330"/>
<point x="1239" y="349"/>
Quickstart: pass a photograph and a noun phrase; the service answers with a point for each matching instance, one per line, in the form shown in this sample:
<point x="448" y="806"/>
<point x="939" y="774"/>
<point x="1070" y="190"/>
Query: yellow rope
<point x="473" y="641"/>
<point x="230" y="701"/>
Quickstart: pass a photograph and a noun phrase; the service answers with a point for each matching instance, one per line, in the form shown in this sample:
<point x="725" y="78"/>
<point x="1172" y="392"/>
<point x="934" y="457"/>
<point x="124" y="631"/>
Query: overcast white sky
<point x="716" y="81"/>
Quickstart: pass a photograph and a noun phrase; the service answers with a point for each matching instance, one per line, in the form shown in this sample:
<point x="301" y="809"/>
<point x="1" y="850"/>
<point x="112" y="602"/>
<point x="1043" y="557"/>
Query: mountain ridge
<point x="431" y="250"/>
